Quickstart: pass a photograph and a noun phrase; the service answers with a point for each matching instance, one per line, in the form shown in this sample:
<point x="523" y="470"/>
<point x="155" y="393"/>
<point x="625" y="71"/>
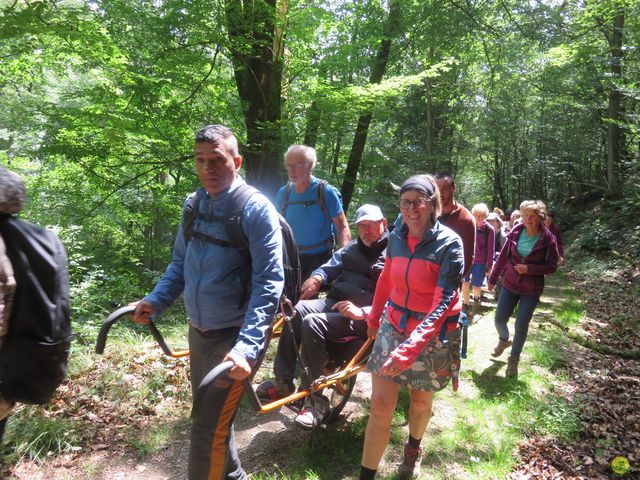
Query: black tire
<point x="338" y="396"/>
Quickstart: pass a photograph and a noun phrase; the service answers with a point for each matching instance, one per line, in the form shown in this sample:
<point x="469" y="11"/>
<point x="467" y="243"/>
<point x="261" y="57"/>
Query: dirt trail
<point x="264" y="440"/>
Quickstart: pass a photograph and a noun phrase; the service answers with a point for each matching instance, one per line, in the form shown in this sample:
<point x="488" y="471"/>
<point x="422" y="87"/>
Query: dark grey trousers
<point x="213" y="454"/>
<point x="314" y="325"/>
<point x="308" y="263"/>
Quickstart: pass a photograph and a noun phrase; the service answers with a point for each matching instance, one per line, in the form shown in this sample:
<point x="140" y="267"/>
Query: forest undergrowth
<point x="573" y="411"/>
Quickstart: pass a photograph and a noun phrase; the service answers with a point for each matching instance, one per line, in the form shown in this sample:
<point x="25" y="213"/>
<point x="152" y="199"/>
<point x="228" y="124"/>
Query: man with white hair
<point x="313" y="208"/>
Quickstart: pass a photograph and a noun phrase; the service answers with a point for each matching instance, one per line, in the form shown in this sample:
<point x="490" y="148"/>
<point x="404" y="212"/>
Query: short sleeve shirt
<point x="309" y="223"/>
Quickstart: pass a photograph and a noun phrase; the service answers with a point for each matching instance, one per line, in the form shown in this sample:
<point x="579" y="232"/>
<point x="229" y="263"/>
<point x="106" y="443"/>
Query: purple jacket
<point x="541" y="261"/>
<point x="556" y="233"/>
<point x="485" y="245"/>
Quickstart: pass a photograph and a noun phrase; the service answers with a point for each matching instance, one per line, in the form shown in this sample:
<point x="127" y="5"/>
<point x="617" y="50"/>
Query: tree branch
<point x="604" y="349"/>
<point x="204" y="79"/>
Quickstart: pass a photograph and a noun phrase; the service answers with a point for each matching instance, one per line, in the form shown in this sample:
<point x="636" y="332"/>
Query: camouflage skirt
<point x="433" y="367"/>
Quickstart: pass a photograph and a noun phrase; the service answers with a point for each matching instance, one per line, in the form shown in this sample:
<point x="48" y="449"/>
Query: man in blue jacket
<point x="222" y="326"/>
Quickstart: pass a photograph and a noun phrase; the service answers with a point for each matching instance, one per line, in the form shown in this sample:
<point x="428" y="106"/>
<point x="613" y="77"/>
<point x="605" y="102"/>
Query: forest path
<point x="265" y="442"/>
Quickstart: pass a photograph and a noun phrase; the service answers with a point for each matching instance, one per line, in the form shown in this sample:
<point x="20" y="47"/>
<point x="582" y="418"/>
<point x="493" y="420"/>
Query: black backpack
<point x="232" y="221"/>
<point x="35" y="352"/>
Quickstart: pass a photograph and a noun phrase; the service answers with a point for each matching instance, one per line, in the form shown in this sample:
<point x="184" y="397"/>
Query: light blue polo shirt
<point x="309" y="223"/>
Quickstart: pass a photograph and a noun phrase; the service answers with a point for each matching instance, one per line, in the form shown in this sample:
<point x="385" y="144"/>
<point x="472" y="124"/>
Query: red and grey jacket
<point x="419" y="287"/>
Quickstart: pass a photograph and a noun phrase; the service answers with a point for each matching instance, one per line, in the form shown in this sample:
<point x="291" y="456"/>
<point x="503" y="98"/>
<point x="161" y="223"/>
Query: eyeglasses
<point x="295" y="166"/>
<point x="421" y="202"/>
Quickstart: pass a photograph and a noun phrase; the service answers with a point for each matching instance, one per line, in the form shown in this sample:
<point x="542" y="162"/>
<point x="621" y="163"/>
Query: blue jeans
<point x="507" y="302"/>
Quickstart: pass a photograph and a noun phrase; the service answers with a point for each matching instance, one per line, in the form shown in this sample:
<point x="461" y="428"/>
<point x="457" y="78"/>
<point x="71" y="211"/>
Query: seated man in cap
<point x="352" y="272"/>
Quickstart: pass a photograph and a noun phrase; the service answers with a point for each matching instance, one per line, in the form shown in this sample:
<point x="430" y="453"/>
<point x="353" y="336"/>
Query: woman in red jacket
<point x="528" y="254"/>
<point x="414" y="317"/>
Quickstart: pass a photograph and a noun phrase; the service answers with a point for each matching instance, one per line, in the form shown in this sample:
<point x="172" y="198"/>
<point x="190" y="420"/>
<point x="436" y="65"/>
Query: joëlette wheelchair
<point x="347" y="359"/>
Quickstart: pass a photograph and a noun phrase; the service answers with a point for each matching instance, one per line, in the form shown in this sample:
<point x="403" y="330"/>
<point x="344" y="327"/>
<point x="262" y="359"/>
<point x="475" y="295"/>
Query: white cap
<point x="369" y="212"/>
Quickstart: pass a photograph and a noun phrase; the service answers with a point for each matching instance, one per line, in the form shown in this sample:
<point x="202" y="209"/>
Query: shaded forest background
<point x="516" y="98"/>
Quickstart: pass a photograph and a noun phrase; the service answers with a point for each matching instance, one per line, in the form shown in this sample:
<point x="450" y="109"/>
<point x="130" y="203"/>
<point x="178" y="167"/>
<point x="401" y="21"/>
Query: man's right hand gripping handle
<point x="143" y="312"/>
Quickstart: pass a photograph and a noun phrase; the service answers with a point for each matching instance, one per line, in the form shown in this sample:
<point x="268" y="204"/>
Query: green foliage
<point x="551" y="353"/>
<point x="596" y="237"/>
<point x="155" y="438"/>
<point x="558" y="418"/>
<point x="101" y="99"/>
<point x="40" y="436"/>
<point x="613" y="230"/>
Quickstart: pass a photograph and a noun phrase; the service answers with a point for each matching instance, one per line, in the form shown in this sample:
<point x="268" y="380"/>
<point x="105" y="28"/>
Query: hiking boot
<point x="468" y="311"/>
<point x="274" y="389"/>
<point x="410" y="467"/>
<point x="477" y="303"/>
<point x="315" y="410"/>
<point x="501" y="347"/>
<point x="512" y="367"/>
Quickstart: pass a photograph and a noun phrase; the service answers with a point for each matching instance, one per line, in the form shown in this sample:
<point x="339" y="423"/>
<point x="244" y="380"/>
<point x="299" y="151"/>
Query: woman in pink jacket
<point x="528" y="254"/>
<point x="414" y="317"/>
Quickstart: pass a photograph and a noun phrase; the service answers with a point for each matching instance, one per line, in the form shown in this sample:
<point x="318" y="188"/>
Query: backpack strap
<point x="232" y="221"/>
<point x="237" y="238"/>
<point x="322" y="186"/>
<point x="189" y="215"/>
<point x="319" y="200"/>
<point x="285" y="200"/>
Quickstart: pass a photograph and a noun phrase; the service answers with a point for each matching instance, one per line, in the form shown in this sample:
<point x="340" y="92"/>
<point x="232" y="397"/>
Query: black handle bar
<point x="214" y="373"/>
<point x="115" y="316"/>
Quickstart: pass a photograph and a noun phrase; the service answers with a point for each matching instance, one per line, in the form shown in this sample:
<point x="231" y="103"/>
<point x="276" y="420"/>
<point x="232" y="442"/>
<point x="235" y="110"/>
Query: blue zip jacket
<point x="213" y="277"/>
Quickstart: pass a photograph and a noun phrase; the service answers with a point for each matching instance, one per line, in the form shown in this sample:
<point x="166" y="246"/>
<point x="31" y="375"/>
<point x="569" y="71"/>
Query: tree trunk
<point x="499" y="198"/>
<point x="313" y="124"/>
<point x="256" y="33"/>
<point x="429" y="146"/>
<point x="614" y="133"/>
<point x="336" y="152"/>
<point x="362" y="129"/>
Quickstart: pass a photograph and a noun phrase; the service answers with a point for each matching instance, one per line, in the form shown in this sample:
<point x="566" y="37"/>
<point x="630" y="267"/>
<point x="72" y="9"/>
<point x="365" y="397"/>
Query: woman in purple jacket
<point x="528" y="254"/>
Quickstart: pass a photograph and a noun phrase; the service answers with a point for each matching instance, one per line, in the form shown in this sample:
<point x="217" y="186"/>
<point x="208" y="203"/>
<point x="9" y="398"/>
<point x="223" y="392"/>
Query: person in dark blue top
<point x="352" y="272"/>
<point x="312" y="208"/>
<point x="211" y="275"/>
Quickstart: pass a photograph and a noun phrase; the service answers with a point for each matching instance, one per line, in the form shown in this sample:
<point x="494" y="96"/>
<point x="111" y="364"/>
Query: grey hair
<point x="12" y="192"/>
<point x="536" y="206"/>
<point x="309" y="153"/>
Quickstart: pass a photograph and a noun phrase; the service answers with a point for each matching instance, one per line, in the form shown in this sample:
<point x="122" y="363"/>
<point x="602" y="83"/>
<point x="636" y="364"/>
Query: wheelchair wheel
<point x="338" y="396"/>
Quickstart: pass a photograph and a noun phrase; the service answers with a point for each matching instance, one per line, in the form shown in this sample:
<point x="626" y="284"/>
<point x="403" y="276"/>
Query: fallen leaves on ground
<point x="607" y="388"/>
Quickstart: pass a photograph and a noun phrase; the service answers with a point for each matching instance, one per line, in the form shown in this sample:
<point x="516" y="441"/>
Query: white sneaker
<point x="314" y="411"/>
